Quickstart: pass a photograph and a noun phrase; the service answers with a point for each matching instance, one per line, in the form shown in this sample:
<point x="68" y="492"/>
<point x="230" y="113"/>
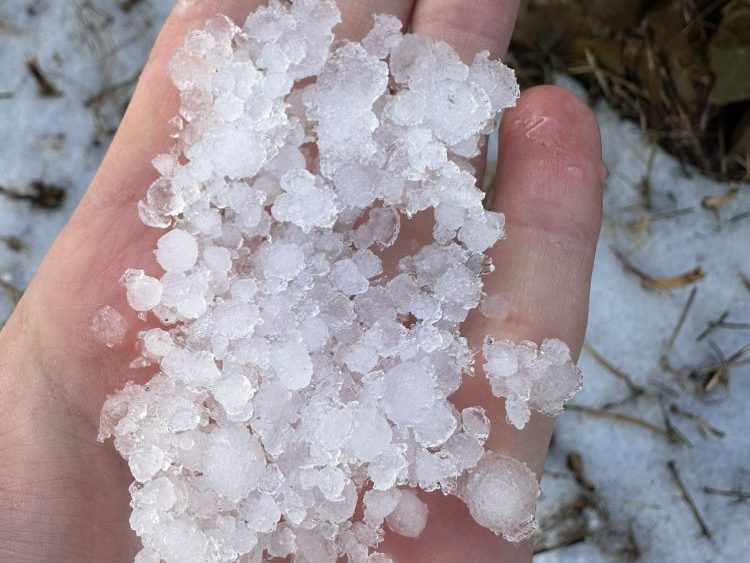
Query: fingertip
<point x="553" y="120"/>
<point x="550" y="162"/>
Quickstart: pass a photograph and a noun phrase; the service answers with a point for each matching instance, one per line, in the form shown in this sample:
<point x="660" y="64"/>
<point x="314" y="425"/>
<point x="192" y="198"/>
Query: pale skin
<point x="64" y="497"/>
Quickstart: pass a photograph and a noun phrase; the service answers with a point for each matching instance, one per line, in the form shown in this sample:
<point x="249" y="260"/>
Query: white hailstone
<point x="409" y="517"/>
<point x="475" y="422"/>
<point x="384" y="36"/>
<point x="217" y="259"/>
<point x="385" y="469"/>
<point x="501" y="495"/>
<point x="303" y="203"/>
<point x="283" y="261"/>
<point x="379" y="504"/>
<point x="156" y="342"/>
<point x="436" y="426"/>
<point x="294" y="335"/>
<point x="177" y="251"/>
<point x="144" y="292"/>
<point x="261" y="512"/>
<point x="465" y="449"/>
<point x="145" y="461"/>
<point x="481" y="230"/>
<point x="292" y="365"/>
<point x="329" y="425"/>
<point x="180" y="541"/>
<point x="347" y="277"/>
<point x="543" y="379"/>
<point x="244" y="289"/>
<point x="371" y="433"/>
<point x="233" y="462"/>
<point x="233" y="393"/>
<point x="197" y="369"/>
<point x="409" y="393"/>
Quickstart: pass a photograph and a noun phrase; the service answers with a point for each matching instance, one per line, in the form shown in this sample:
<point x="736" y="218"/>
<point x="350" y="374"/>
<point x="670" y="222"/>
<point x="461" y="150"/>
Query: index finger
<point x="469" y="26"/>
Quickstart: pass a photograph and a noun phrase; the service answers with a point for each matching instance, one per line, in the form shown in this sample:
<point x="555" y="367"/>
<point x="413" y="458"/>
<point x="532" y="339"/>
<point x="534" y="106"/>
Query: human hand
<point x="63" y="496"/>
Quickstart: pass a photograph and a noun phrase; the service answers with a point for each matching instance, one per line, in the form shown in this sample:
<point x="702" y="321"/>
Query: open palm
<point x="64" y="497"/>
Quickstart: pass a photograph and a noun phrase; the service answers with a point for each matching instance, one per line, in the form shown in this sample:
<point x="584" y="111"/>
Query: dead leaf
<point x="715" y="202"/>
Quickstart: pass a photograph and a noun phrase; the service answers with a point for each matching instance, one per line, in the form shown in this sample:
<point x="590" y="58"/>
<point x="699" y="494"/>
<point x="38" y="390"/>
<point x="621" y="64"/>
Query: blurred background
<point x="652" y="462"/>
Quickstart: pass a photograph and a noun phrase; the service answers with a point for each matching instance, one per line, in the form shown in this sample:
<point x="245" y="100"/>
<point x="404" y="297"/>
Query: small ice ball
<point x="501" y="358"/>
<point x="409" y="518"/>
<point x="233" y="393"/>
<point x="501" y="495"/>
<point x="233" y="461"/>
<point x="197" y="369"/>
<point x="283" y="261"/>
<point x="143" y="292"/>
<point x="181" y="541"/>
<point x="177" y="251"/>
<point x="156" y="342"/>
<point x="385" y="469"/>
<point x="384" y="36"/>
<point x="482" y="230"/>
<point x="347" y="278"/>
<point x="379" y="504"/>
<point x="371" y="434"/>
<point x="261" y="512"/>
<point x="292" y="364"/>
<point x="476" y="423"/>
<point x="409" y="392"/>
<point x="145" y="461"/>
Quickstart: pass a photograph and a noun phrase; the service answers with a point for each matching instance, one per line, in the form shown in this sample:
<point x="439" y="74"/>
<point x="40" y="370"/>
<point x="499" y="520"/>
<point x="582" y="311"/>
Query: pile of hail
<point x="299" y="374"/>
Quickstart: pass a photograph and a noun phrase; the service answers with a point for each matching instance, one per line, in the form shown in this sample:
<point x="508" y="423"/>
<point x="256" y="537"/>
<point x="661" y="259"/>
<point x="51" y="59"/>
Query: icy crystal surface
<point x="298" y="369"/>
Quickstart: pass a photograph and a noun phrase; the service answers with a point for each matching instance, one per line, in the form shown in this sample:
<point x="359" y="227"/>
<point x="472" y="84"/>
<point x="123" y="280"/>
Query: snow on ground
<point x="91" y="50"/>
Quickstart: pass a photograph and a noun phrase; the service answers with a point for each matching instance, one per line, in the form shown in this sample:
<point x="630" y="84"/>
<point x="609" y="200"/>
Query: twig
<point x="635" y="389"/>
<point x="128" y="5"/>
<point x="576" y="466"/>
<point x="46" y="196"/>
<point x="109" y="90"/>
<point x="739" y="495"/>
<point x="721" y="322"/>
<point x="626" y="418"/>
<point x="719" y="372"/>
<point x="688" y="499"/>
<point x="745" y="280"/>
<point x="664" y="284"/>
<point x="714" y="203"/>
<point x="564" y="527"/>
<point x="671" y="428"/>
<point x="669" y="214"/>
<point x="13" y="243"/>
<point x="45" y="87"/>
<point x="664" y="359"/>
<point x="700" y="422"/>
<point x="739" y="217"/>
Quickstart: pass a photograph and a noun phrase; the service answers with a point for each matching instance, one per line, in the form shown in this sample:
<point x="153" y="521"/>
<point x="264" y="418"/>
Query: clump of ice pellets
<point x="542" y="378"/>
<point x="297" y="369"/>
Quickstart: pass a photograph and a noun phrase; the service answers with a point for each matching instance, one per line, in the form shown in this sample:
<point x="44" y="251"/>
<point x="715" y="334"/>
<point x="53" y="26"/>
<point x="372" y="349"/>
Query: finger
<point x="357" y="15"/>
<point x="549" y="180"/>
<point x="469" y="26"/>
